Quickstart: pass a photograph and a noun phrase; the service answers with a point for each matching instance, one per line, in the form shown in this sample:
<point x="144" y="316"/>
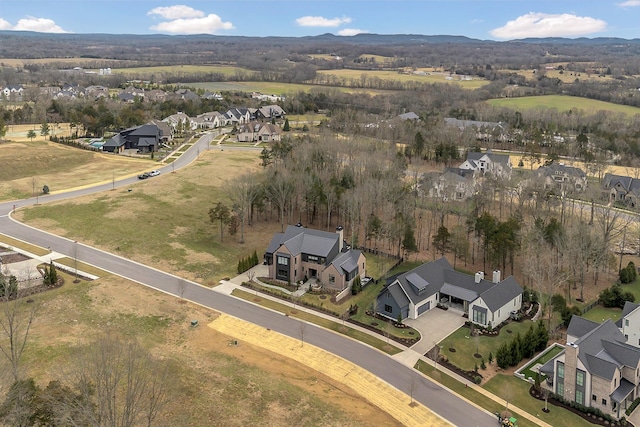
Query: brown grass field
<point x="213" y="383"/>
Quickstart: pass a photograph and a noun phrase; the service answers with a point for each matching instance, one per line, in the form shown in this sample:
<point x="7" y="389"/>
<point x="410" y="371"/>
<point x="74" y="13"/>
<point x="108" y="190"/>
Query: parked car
<point x="143" y="176"/>
<point x="154" y="173"/>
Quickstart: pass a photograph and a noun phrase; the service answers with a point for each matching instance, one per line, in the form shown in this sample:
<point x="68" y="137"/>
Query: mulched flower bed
<point x="469" y="375"/>
<point x="587" y="417"/>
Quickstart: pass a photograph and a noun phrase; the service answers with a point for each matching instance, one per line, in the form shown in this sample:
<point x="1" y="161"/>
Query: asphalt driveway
<point x="434" y="326"/>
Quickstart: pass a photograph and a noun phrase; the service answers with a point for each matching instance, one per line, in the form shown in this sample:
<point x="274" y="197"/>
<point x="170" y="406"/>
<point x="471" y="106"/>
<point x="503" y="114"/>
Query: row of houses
<point x="305" y="254"/>
<point x="149" y="137"/>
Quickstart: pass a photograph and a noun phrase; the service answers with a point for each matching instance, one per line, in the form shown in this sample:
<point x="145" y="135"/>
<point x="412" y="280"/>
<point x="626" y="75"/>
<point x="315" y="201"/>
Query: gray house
<point x="565" y="177"/>
<point x="145" y="139"/>
<point x="597" y="368"/>
<point x="315" y="254"/>
<point x="487" y="302"/>
<point x="623" y="189"/>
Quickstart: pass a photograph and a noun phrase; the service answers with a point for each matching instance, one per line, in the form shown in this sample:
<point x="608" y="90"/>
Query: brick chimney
<point x="340" y="232"/>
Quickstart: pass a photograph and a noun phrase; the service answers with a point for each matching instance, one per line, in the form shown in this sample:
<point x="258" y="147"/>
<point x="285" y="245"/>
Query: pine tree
<point x="286" y="126"/>
<point x="53" y="274"/>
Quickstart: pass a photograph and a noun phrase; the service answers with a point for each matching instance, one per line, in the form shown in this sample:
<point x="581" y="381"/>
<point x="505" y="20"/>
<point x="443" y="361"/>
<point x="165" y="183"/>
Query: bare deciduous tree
<point x="118" y="383"/>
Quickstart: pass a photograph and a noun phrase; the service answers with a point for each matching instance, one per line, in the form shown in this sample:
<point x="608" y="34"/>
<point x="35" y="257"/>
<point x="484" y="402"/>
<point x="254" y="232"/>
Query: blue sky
<point x="481" y="19"/>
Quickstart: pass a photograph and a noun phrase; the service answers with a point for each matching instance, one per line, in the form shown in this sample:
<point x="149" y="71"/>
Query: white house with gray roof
<point x="629" y="323"/>
<point x="489" y="163"/>
<point x="487" y="302"/>
<point x="303" y="252"/>
<point x="597" y="368"/>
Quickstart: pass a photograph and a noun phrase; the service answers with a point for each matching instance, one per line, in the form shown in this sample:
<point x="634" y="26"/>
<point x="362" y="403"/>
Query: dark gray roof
<point x="624" y="390"/>
<point x="579" y="326"/>
<point x="346" y="262"/>
<point x="398" y="294"/>
<point x="603" y="349"/>
<point x="497" y="158"/>
<point x="549" y="367"/>
<point x="304" y="240"/>
<point x="500" y="294"/>
<point x="628" y="308"/>
<point x="555" y="168"/>
<point x="440" y="276"/>
<point x="116" y="140"/>
<point x="629" y="184"/>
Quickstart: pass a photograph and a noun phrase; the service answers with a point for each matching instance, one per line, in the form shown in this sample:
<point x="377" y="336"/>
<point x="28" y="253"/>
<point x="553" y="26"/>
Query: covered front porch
<point x="622" y="396"/>
<point x="457" y="298"/>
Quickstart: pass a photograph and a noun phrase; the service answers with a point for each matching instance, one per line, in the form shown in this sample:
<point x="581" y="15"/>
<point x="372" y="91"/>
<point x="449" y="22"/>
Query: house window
<point x="560" y="380"/>
<point x="604" y="402"/>
<point x="579" y="397"/>
<point x="579" y="378"/>
<point x="626" y="322"/>
<point x="388" y="308"/>
<point x="615" y="382"/>
<point x="594" y="398"/>
<point x="479" y="317"/>
<point x="332" y="278"/>
<point x="283" y="260"/>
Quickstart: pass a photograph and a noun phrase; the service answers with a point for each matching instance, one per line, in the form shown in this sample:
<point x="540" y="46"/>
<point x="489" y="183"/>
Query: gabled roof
<point x="397" y="294"/>
<point x="555" y="168"/>
<point x="304" y="240"/>
<point x="439" y="276"/>
<point x="580" y="326"/>
<point x="603" y="349"/>
<point x="626" y="182"/>
<point x="496" y="158"/>
<point x="497" y="296"/>
<point x="347" y="262"/>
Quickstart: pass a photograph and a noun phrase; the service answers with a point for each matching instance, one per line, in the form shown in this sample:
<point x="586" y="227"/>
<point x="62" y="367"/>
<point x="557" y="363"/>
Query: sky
<point x="479" y="19"/>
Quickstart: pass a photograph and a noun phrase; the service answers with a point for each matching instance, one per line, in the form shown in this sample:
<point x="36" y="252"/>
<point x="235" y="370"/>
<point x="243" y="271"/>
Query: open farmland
<point x="178" y="70"/>
<point x="563" y="103"/>
<point x="275" y="87"/>
<point x="428" y="77"/>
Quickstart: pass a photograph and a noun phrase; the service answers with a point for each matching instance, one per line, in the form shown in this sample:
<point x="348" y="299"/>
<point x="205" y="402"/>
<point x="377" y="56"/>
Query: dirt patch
<point x="10" y="258"/>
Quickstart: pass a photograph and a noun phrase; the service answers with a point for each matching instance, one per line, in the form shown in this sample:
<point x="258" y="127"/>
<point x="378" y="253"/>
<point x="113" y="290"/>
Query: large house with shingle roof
<point x="622" y="189"/>
<point x="561" y="176"/>
<point x="145" y="139"/>
<point x="489" y="163"/>
<point x="597" y="368"/>
<point x="303" y="252"/>
<point x="487" y="302"/>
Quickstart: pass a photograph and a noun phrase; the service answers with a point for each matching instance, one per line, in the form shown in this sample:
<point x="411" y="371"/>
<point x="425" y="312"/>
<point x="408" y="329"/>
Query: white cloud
<point x="629" y="3"/>
<point x="320" y="21"/>
<point x="351" y="32"/>
<point x="39" y="25"/>
<point x="4" y="25"/>
<point x="176" y="12"/>
<point x="210" y="24"/>
<point x="547" y="25"/>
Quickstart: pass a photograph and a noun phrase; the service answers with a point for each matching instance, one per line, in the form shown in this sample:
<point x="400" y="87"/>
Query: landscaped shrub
<point x="356" y="286"/>
<point x="247" y="262"/>
<point x="615" y="297"/>
<point x="629" y="274"/>
<point x="633" y="406"/>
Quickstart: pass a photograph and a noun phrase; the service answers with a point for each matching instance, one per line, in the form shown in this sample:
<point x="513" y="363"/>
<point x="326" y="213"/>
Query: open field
<point x="394" y="75"/>
<point x="71" y="62"/>
<point x="563" y="103"/>
<point x="183" y="70"/>
<point x="29" y="165"/>
<point x="211" y="382"/>
<point x="164" y="221"/>
<point x="274" y="87"/>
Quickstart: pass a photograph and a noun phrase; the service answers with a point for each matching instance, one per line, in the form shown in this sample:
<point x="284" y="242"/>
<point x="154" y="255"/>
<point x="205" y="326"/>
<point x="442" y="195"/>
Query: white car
<point x="154" y="173"/>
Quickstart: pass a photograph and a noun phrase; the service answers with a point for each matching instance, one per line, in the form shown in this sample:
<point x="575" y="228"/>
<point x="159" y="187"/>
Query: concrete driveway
<point x="434" y="326"/>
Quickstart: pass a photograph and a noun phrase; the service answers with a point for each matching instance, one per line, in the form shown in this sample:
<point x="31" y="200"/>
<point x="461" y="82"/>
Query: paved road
<point x="441" y="401"/>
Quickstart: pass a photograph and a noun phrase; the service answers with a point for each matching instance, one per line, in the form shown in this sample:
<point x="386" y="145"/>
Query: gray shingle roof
<point x="603" y="349"/>
<point x="579" y="326"/>
<point x="440" y="276"/>
<point x="502" y="293"/>
<point x="346" y="262"/>
<point x="304" y="240"/>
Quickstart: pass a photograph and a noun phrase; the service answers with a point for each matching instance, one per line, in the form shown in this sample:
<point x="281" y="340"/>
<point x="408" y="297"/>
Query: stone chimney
<point x="496" y="276"/>
<point x="340" y="232"/>
<point x="479" y="276"/>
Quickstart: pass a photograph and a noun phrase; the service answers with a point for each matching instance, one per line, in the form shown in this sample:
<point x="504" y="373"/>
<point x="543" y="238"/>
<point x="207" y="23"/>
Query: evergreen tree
<point x="286" y="126"/>
<point x="542" y="336"/>
<point x="53" y="274"/>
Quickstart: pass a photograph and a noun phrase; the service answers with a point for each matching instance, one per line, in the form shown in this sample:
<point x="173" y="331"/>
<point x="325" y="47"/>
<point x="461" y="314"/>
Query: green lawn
<point x="467" y="392"/>
<point x="542" y="359"/>
<point x="600" y="314"/>
<point x="516" y="391"/>
<point x="465" y="346"/>
<point x="563" y="103"/>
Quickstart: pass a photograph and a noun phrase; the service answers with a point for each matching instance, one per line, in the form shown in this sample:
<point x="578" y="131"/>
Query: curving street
<point x="443" y="402"/>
